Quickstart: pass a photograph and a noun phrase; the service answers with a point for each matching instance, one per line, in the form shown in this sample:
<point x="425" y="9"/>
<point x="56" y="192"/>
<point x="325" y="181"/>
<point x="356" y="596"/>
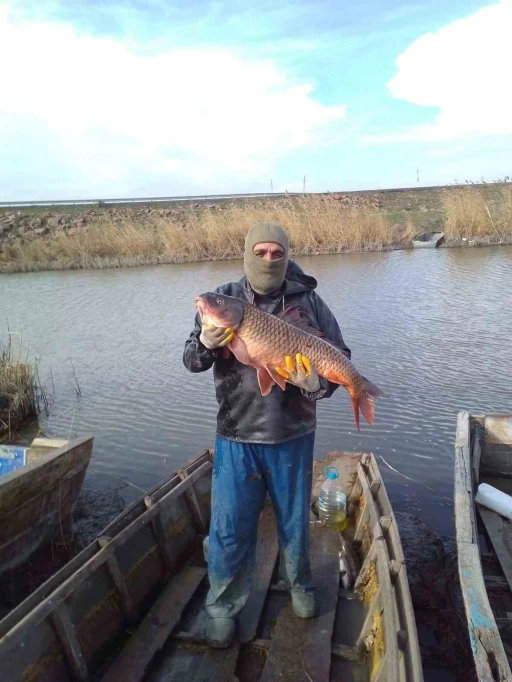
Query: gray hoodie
<point x="244" y="414"/>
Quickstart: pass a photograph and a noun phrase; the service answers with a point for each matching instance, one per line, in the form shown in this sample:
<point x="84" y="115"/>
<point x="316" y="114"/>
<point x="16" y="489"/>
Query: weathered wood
<point x="193" y="504"/>
<point x="488" y="652"/>
<point x="219" y="665"/>
<point x="266" y="556"/>
<point x="465" y="524"/>
<point x="118" y="578"/>
<point x="131" y="664"/>
<point x="346" y="653"/>
<point x="500" y="534"/>
<point x="300" y="650"/>
<point x="307" y="652"/>
<point x="43" y="609"/>
<point x="158" y="530"/>
<point x="155" y="493"/>
<point x="496" y="458"/>
<point x="66" y="633"/>
<point x="462" y="432"/>
<point x="36" y="500"/>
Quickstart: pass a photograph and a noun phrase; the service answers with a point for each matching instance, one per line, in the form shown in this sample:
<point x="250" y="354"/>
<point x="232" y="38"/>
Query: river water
<point x="433" y="328"/>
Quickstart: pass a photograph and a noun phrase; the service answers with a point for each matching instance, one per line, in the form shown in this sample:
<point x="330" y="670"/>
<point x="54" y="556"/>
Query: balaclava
<point x="265" y="276"/>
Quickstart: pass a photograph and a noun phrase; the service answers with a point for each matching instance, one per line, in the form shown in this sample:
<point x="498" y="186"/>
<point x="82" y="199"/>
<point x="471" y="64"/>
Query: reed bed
<point x="18" y="388"/>
<point x="314" y="224"/>
<point x="317" y="224"/>
<point x="479" y="212"/>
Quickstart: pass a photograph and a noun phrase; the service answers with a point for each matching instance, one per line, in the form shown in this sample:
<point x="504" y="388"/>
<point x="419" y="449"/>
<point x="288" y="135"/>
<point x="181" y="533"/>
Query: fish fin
<point x="265" y="380"/>
<point x="239" y="350"/>
<point x="355" y="408"/>
<point x="294" y="316"/>
<point x="365" y="402"/>
<point x="277" y="378"/>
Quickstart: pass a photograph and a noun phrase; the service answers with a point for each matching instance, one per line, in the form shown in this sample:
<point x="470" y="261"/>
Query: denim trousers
<point x="243" y="473"/>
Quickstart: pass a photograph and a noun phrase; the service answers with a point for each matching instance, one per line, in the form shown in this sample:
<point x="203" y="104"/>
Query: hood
<point x="297" y="280"/>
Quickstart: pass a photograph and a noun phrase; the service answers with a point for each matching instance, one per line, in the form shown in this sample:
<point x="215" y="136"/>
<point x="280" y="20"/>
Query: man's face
<point x="268" y="251"/>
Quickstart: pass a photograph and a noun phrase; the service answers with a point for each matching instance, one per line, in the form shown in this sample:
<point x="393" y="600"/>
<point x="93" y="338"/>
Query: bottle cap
<point x="331" y="472"/>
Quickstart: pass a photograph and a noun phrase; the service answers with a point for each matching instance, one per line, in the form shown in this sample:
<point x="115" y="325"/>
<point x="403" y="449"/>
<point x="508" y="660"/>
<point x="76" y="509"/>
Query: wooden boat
<point x="38" y="494"/>
<point x="428" y="240"/>
<point x="130" y="606"/>
<point x="483" y="454"/>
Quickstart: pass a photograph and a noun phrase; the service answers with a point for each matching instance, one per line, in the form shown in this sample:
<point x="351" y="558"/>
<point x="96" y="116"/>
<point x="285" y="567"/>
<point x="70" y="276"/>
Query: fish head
<point x="219" y="309"/>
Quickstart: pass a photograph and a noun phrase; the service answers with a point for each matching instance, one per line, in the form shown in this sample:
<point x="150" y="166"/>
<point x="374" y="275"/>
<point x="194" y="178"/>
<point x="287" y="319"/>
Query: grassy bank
<point x="316" y="224"/>
<point x="18" y="403"/>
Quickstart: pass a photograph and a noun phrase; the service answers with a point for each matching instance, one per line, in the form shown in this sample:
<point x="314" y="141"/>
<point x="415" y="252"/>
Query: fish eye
<point x="219" y="301"/>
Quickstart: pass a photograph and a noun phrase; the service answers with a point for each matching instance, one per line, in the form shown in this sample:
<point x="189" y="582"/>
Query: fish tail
<point x="365" y="402"/>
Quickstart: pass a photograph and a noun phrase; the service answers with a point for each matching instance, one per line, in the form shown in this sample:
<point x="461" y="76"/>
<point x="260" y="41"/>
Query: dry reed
<point x="478" y="212"/>
<point x="314" y="224"/>
<point x="18" y="402"/>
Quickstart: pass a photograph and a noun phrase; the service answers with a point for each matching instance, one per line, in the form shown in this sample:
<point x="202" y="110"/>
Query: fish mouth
<point x="201" y="305"/>
<point x="203" y="309"/>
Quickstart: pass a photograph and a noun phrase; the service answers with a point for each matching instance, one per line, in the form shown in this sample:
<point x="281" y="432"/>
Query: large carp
<point x="262" y="341"/>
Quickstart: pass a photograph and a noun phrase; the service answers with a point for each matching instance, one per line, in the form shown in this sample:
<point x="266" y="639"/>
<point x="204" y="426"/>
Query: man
<point x="263" y="443"/>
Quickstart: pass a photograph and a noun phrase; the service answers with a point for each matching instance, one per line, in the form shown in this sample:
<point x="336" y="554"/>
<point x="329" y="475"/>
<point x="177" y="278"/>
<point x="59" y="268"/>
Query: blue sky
<point x="157" y="97"/>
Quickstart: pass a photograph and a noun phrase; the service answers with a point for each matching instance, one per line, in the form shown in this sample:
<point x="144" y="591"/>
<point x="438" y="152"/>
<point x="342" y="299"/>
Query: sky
<point x="147" y="98"/>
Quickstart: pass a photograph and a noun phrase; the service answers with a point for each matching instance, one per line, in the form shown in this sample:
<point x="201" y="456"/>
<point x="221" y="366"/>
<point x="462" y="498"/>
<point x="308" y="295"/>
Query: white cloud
<point x="464" y="70"/>
<point x="111" y="114"/>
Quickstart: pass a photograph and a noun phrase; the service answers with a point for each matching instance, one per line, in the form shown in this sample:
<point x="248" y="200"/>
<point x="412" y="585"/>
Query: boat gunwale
<point x="43" y="460"/>
<point x="387" y="549"/>
<point x="394" y="595"/>
<point x="484" y="636"/>
<point x="48" y="604"/>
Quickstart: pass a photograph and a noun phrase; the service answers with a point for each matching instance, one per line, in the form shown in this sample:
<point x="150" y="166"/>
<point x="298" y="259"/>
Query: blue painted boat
<point x="483" y="454"/>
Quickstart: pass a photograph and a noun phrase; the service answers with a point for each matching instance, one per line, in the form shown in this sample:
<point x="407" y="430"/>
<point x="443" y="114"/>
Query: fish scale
<point x="263" y="340"/>
<point x="271" y="337"/>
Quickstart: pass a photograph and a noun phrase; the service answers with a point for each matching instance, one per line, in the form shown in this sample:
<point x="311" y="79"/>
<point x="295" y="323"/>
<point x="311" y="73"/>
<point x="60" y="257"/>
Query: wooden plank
<point x="488" y="652"/>
<point x="155" y="493"/>
<point x="66" y="633"/>
<point x="164" y="615"/>
<point x="266" y="556"/>
<point x="462" y="432"/>
<point x="193" y="505"/>
<point x="219" y="665"/>
<point x="17" y="633"/>
<point x="157" y="527"/>
<point x="500" y="533"/>
<point x="119" y="523"/>
<point x="300" y="650"/>
<point x="37" y="499"/>
<point x="118" y="578"/>
<point x="465" y="524"/>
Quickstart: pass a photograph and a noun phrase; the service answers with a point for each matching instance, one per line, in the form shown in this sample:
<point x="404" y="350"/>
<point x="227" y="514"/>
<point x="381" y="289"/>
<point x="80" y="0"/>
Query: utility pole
<point x="304" y="186"/>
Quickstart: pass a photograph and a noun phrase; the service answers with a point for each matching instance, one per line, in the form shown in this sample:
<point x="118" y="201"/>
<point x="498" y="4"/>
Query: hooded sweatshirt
<point x="245" y="415"/>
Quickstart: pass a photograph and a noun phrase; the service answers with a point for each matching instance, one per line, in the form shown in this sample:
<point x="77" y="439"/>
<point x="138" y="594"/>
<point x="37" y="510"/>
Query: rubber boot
<point x="220" y="632"/>
<point x="304" y="603"/>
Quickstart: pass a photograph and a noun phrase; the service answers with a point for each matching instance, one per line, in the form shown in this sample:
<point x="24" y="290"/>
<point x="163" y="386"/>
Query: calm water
<point x="432" y="328"/>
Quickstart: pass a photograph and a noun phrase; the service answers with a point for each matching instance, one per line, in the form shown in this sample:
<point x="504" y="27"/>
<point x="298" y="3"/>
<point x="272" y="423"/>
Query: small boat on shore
<point x="483" y="455"/>
<point x="428" y="240"/>
<point x="39" y="488"/>
<point x="129" y="607"/>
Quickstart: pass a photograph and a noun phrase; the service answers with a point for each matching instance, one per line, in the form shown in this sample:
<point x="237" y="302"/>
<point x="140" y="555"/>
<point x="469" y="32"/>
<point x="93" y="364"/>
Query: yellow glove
<point x="300" y="374"/>
<point x="215" y="337"/>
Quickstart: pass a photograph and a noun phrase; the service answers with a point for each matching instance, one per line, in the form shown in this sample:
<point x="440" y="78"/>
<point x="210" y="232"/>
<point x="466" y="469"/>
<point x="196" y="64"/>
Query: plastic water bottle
<point x="332" y="501"/>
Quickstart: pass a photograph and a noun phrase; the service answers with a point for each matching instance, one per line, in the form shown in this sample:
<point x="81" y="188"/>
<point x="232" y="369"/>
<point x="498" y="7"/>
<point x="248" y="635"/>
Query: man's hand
<point x="300" y="374"/>
<point x="215" y="337"/>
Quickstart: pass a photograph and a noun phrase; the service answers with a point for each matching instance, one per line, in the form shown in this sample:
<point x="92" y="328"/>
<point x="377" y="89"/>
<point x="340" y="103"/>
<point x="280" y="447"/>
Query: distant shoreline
<point x="38" y="240"/>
